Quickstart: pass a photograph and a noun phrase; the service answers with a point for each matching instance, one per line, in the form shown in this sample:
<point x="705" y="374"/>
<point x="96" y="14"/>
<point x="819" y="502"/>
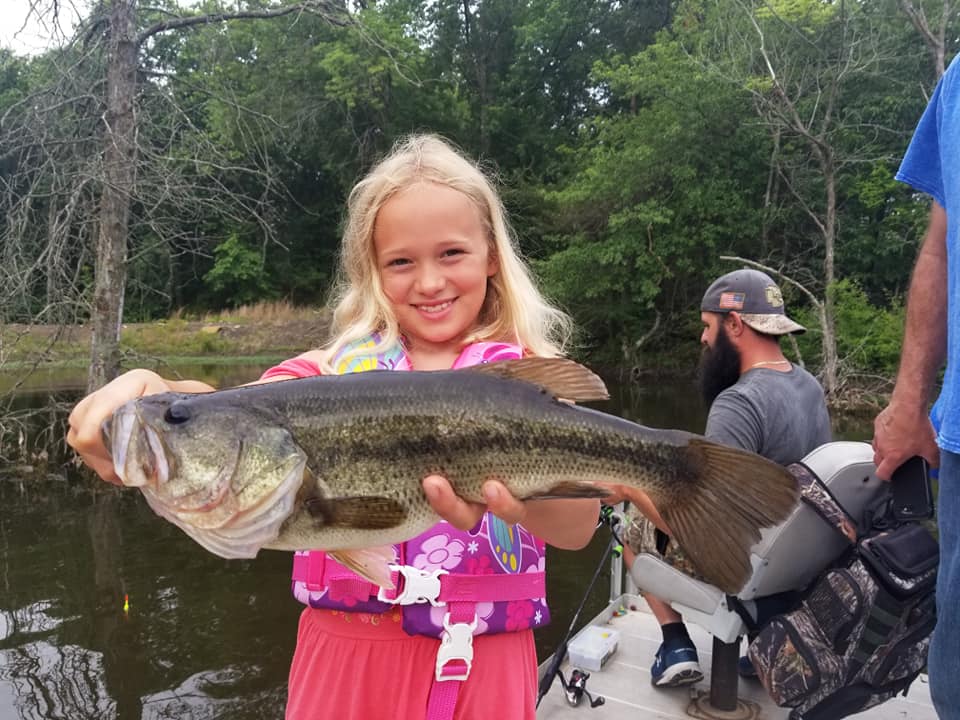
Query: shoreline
<point x="32" y="356"/>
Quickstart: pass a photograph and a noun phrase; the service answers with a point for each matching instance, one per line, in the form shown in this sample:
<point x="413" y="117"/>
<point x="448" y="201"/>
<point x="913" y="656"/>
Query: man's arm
<point x="903" y="429"/>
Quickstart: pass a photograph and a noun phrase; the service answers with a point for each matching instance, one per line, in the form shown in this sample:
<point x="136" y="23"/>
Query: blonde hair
<point x="514" y="309"/>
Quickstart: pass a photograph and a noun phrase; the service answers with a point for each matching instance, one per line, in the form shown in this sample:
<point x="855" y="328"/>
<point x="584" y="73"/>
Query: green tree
<point x="637" y="229"/>
<point x="814" y="71"/>
<point x="237" y="276"/>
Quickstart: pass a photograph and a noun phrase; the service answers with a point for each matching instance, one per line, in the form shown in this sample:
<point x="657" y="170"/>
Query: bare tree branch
<point x="934" y="40"/>
<point x="333" y="12"/>
<point x="92" y="157"/>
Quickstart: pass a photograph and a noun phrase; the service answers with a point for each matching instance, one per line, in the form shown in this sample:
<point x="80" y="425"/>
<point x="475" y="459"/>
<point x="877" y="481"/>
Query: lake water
<point x="106" y="611"/>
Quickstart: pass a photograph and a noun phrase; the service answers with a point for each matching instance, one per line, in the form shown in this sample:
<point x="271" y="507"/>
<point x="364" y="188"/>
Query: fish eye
<point x="177" y="413"/>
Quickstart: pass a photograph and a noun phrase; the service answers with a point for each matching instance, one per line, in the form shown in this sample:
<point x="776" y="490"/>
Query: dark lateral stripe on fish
<point x="401" y="437"/>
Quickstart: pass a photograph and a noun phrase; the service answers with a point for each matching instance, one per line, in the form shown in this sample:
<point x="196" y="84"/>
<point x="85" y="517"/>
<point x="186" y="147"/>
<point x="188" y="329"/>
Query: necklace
<point x="769" y="362"/>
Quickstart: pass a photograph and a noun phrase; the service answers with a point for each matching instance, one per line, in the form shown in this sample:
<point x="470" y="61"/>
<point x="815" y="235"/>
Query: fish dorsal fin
<point x="561" y="377"/>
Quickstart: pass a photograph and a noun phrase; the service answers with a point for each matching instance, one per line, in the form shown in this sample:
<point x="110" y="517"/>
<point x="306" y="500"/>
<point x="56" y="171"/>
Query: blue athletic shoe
<point x="745" y="668"/>
<point x="676" y="664"/>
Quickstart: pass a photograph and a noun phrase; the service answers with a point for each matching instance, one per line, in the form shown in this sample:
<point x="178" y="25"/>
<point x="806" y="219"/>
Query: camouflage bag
<point x="861" y="632"/>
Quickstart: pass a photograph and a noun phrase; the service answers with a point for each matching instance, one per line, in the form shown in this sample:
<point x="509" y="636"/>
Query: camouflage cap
<point x="755" y="297"/>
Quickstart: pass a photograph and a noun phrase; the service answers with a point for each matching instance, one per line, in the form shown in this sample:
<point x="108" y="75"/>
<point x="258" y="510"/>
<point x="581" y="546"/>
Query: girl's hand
<point x="465" y="515"/>
<point x="84" y="433"/>
<point x="566" y="524"/>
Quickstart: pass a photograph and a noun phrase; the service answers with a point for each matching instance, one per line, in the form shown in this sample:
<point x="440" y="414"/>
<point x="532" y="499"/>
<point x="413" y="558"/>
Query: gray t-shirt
<point x="780" y="415"/>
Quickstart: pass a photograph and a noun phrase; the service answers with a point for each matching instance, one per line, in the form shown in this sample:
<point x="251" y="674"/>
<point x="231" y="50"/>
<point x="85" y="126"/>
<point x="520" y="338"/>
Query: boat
<point x="846" y="470"/>
<point x="624" y="681"/>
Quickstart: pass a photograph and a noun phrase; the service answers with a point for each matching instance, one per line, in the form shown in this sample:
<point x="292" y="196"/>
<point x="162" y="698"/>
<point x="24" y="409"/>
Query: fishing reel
<point x="577" y="688"/>
<point x="609" y="517"/>
<point x="612" y="519"/>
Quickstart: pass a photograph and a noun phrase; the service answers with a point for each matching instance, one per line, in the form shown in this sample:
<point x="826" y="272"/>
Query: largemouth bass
<point x="335" y="463"/>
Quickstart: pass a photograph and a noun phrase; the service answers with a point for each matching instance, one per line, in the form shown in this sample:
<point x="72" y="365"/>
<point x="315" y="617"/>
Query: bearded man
<point x="759" y="401"/>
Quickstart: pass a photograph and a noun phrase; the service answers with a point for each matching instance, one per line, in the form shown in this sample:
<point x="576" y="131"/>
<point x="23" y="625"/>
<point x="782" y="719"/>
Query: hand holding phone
<point x="912" y="494"/>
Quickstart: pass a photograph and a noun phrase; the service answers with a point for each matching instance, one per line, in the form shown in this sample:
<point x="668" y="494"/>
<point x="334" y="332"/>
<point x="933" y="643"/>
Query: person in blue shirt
<point x="932" y="339"/>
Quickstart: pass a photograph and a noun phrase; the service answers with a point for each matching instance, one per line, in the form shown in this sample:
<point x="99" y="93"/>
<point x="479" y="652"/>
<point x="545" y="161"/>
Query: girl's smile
<point x="435" y="309"/>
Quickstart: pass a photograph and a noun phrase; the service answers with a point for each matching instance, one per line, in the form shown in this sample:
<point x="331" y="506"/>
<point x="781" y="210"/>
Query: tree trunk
<point x="934" y="39"/>
<point x="829" y="370"/>
<point x="119" y="172"/>
<point x="828" y="310"/>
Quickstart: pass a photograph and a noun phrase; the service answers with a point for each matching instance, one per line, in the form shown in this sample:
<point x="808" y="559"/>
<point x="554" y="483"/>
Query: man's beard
<point x="719" y="367"/>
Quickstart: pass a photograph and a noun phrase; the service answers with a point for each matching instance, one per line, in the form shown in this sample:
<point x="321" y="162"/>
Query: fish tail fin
<point x="371" y="563"/>
<point x="718" y="517"/>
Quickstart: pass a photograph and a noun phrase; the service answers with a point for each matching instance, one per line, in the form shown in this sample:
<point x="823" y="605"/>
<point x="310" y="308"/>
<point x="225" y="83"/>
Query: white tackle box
<point x="593" y="646"/>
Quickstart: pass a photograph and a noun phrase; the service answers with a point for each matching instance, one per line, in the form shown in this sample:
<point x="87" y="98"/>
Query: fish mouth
<point x="142" y="459"/>
<point x="176" y="495"/>
<point x="126" y="436"/>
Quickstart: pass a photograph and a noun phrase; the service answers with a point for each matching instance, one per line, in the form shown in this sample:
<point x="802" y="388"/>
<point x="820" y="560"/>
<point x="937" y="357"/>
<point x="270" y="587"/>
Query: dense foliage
<point x="637" y="142"/>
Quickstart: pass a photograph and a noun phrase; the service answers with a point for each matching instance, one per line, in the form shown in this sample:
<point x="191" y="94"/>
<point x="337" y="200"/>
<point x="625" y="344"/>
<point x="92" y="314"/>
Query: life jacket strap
<point x="438" y="587"/>
<point x="454" y="659"/>
<point x="317" y="571"/>
<point x="413" y="585"/>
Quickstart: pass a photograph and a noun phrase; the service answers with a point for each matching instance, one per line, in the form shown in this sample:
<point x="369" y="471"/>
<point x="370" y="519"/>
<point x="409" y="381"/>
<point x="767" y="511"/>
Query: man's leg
<point x="662" y="611"/>
<point x="944" y="660"/>
<point x="676" y="662"/>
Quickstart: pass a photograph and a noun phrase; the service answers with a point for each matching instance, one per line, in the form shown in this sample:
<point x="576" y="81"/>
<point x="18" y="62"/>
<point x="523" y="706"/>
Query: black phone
<point x="912" y="494"/>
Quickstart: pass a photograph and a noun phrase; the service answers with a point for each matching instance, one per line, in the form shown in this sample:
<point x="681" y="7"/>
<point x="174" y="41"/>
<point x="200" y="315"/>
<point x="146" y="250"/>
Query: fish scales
<point x="525" y="438"/>
<point x="336" y="463"/>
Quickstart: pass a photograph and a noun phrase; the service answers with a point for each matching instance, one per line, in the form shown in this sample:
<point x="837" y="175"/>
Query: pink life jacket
<point x="450" y="583"/>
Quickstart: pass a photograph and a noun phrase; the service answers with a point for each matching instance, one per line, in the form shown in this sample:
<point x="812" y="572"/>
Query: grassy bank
<point x="248" y="334"/>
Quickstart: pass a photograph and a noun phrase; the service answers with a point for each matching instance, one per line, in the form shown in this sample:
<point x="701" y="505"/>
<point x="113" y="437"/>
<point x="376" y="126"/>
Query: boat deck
<point x="624" y="682"/>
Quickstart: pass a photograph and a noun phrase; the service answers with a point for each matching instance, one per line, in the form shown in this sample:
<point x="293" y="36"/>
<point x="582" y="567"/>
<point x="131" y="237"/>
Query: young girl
<point x="429" y="279"/>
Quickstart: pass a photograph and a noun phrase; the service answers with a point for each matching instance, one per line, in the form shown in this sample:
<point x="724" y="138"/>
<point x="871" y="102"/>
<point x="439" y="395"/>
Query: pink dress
<point x="359" y="666"/>
<point x="363" y="666"/>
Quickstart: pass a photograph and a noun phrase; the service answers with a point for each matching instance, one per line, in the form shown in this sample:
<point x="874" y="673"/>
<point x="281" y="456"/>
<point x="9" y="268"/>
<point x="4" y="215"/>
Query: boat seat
<point x="787" y="557"/>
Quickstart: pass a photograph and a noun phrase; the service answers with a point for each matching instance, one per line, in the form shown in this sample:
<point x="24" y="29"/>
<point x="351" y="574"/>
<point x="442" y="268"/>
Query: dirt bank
<point x="228" y="338"/>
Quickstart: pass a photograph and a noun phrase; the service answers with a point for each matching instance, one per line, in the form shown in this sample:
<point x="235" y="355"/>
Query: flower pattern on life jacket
<point x="480" y="566"/>
<point x="519" y="614"/>
<point x="439" y="552"/>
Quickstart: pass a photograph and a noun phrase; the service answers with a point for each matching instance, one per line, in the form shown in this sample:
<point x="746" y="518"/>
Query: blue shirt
<point x="932" y="165"/>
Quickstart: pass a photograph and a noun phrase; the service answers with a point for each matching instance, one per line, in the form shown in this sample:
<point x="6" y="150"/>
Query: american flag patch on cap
<point x="731" y="301"/>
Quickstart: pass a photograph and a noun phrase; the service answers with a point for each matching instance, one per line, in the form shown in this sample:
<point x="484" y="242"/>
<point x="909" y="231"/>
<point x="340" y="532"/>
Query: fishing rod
<point x="577" y="685"/>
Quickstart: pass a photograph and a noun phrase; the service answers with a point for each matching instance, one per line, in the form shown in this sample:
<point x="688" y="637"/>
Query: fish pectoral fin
<point x="361" y="512"/>
<point x="568" y="490"/>
<point x="560" y="377"/>
<point x="372" y="564"/>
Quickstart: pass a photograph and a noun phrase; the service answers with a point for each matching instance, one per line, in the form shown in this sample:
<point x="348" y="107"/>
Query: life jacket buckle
<point x="419" y="586"/>
<point x="456" y="646"/>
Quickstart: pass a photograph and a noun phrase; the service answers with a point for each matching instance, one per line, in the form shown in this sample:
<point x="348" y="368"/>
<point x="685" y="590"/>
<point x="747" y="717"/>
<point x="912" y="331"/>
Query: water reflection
<point x="61" y="682"/>
<point x="72" y="552"/>
<point x="201" y="637"/>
